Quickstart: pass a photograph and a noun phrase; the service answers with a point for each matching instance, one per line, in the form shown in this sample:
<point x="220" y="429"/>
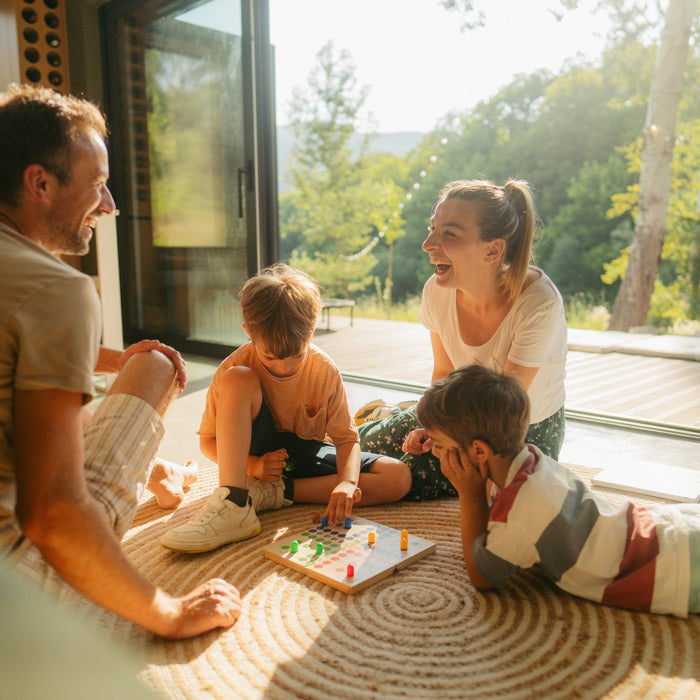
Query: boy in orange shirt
<point x="271" y="407"/>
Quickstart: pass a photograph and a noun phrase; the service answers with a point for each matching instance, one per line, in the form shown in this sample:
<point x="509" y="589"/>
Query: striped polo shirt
<point x="620" y="554"/>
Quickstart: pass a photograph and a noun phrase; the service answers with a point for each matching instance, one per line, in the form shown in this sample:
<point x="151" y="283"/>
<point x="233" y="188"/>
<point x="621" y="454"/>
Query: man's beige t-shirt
<point x="50" y="330"/>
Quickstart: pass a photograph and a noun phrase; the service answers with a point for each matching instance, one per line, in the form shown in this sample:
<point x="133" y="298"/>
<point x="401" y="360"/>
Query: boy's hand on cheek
<point x="342" y="499"/>
<point x="270" y="466"/>
<point x="458" y="469"/>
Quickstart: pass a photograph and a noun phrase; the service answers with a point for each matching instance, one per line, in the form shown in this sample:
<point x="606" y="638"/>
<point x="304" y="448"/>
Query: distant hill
<point x="398" y="144"/>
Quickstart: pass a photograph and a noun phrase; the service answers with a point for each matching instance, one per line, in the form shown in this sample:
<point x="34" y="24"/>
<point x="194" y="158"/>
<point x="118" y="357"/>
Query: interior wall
<point x="82" y="23"/>
<point x="9" y="50"/>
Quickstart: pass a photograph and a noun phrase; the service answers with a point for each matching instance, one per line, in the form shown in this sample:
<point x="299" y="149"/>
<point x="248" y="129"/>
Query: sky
<point x="418" y="63"/>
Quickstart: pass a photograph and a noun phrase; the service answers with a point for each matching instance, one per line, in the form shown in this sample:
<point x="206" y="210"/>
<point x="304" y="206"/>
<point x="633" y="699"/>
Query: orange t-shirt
<point x="311" y="403"/>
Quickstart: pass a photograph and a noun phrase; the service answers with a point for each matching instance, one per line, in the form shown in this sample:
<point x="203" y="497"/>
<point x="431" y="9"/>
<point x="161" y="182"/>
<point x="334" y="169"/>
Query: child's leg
<point x="387" y="480"/>
<point x="382" y="479"/>
<point x="240" y="399"/>
<point x="228" y="514"/>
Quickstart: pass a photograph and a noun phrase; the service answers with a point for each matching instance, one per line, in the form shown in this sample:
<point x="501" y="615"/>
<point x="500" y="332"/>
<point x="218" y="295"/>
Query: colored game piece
<point x="371" y="537"/>
<point x="351" y="571"/>
<point x="348" y="523"/>
<point x="294" y="547"/>
<point x="324" y="521"/>
<point x="404" y="544"/>
<point x="404" y="533"/>
<point x="343" y="547"/>
<point x="319" y="548"/>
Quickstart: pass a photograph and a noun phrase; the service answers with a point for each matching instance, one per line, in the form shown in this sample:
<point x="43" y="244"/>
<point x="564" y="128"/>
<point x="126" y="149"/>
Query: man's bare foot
<point x="168" y="481"/>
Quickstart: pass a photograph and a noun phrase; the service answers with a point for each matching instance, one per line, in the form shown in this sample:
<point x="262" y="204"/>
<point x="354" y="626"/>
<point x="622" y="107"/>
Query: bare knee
<point x="149" y="375"/>
<point x="396" y="475"/>
<point x="241" y="381"/>
<point x="242" y="385"/>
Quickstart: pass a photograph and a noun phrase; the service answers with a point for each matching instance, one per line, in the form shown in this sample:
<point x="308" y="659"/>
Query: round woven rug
<point x="423" y="632"/>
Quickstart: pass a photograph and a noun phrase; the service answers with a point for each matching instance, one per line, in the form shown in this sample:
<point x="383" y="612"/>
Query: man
<point x="67" y="496"/>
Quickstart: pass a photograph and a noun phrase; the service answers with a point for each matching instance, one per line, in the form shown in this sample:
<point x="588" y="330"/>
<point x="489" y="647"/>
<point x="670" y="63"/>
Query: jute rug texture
<point x="424" y="632"/>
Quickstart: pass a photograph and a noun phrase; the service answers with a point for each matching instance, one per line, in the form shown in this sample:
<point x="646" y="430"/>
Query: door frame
<point x="258" y="178"/>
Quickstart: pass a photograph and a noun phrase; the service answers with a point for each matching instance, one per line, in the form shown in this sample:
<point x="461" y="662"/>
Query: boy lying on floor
<point x="544" y="517"/>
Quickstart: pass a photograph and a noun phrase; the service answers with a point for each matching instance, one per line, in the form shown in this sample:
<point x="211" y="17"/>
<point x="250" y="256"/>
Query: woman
<point x="485" y="304"/>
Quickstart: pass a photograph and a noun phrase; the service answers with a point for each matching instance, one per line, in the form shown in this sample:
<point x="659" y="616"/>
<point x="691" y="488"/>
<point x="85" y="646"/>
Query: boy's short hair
<point x="474" y="402"/>
<point x="280" y="306"/>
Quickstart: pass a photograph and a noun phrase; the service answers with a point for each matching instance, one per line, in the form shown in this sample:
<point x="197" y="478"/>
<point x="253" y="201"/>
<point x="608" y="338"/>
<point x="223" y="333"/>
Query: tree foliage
<point x="340" y="199"/>
<point x="574" y="136"/>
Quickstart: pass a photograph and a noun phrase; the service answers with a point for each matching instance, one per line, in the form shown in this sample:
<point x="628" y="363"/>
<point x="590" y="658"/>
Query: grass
<point x="581" y="313"/>
<point x="369" y="307"/>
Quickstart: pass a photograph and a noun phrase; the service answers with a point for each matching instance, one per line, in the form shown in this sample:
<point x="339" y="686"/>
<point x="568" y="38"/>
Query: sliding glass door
<point x="192" y="118"/>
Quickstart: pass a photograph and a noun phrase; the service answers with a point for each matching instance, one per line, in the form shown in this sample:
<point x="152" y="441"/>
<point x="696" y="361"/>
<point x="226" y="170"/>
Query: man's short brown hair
<point x="476" y="403"/>
<point x="280" y="306"/>
<point x="39" y="126"/>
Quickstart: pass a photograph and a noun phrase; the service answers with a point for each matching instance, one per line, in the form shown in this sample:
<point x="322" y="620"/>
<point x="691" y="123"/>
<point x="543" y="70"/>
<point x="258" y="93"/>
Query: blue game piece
<point x="324" y="521"/>
<point x="348" y="523"/>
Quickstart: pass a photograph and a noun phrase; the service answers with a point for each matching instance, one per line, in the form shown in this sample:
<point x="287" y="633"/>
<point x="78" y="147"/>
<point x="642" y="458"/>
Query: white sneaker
<point x="267" y="495"/>
<point x="219" y="522"/>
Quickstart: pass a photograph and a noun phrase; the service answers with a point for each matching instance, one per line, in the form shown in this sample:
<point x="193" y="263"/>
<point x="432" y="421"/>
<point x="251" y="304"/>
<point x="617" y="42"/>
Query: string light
<point x="408" y="197"/>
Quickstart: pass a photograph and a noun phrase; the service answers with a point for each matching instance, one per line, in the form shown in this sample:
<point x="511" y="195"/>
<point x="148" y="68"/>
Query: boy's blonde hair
<point x="280" y="307"/>
<point x="476" y="403"/>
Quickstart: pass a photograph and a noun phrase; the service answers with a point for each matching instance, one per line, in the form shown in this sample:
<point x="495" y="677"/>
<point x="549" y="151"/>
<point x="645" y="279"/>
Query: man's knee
<point x="149" y="375"/>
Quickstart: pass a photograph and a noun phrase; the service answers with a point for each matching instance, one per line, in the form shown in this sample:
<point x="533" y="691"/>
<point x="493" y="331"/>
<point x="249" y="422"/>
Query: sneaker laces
<point x="210" y="508"/>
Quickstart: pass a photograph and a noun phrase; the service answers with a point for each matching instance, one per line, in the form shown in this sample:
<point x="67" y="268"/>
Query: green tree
<point x="633" y="300"/>
<point x="340" y="201"/>
<point x="585" y="236"/>
<point x="545" y="129"/>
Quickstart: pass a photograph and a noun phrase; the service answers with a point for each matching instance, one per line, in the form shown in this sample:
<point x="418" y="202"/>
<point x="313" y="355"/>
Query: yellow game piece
<point x="404" y="543"/>
<point x="404" y="534"/>
<point x="371" y="537"/>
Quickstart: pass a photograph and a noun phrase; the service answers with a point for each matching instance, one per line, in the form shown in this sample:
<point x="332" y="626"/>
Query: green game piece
<point x="319" y="548"/>
<point x="295" y="547"/>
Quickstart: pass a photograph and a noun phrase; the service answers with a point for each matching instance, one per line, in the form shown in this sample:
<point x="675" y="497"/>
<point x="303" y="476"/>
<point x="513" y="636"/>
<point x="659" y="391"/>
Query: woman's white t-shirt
<point x="533" y="334"/>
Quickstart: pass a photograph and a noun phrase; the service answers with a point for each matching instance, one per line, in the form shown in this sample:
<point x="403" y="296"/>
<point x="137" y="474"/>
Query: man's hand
<point x="172" y="354"/>
<point x="342" y="499"/>
<point x="215" y="603"/>
<point x="268" y="467"/>
<point x="417" y="442"/>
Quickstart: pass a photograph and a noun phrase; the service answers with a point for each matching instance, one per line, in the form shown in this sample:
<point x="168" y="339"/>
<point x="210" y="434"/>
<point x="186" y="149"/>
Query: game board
<point x="342" y="547"/>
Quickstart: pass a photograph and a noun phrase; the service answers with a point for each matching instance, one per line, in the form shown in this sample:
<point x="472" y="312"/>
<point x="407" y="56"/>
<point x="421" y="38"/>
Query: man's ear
<point x="39" y="184"/>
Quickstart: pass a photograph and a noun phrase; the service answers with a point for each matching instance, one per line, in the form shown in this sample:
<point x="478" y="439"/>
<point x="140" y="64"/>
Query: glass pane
<point x="183" y="114"/>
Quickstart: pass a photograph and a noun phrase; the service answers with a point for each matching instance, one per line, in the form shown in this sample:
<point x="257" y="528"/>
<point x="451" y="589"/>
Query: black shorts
<point x="307" y="458"/>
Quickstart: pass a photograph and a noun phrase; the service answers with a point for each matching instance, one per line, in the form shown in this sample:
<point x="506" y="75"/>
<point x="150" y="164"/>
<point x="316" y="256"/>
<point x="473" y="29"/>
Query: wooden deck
<point x="662" y="389"/>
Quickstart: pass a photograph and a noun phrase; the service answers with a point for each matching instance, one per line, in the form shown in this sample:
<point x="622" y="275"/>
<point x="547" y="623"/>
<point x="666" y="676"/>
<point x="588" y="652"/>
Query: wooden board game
<point x="345" y="558"/>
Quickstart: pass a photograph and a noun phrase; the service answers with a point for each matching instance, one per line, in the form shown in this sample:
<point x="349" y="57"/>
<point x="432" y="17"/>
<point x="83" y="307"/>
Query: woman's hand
<point x="417" y="442"/>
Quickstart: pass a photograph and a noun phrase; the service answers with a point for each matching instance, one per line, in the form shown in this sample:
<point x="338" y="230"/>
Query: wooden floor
<point x="621" y="384"/>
